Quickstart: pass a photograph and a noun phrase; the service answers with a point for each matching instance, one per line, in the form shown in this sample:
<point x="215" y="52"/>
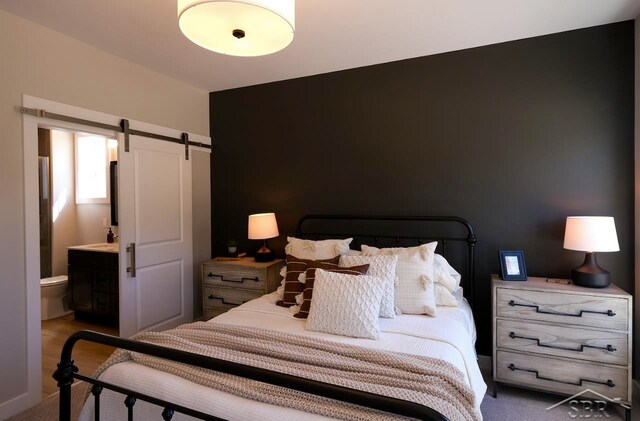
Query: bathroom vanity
<point x="93" y="281"/>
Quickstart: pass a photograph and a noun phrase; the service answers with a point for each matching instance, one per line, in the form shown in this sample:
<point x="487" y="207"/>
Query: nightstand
<point x="562" y="339"/>
<point x="229" y="283"/>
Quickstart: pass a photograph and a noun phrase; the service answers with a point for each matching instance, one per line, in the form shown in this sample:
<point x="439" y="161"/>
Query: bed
<point x="449" y="337"/>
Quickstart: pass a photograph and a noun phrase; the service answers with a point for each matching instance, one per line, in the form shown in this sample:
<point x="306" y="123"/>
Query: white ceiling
<point x="330" y="34"/>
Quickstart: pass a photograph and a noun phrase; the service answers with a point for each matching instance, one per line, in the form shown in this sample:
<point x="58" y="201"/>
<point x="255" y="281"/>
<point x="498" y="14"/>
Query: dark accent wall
<point x="513" y="137"/>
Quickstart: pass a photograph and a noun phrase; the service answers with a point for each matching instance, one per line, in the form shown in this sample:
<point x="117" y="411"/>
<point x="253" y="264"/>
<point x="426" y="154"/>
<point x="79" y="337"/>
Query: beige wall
<point x="43" y="63"/>
<point x="90" y="229"/>
<point x="64" y="227"/>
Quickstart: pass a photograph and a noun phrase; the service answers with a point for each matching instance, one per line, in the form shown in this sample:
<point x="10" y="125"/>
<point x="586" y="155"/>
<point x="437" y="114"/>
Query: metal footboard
<point x="67" y="372"/>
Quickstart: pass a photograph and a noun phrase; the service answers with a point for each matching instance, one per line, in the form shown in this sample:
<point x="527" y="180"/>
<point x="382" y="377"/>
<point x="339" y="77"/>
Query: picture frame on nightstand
<point x="512" y="265"/>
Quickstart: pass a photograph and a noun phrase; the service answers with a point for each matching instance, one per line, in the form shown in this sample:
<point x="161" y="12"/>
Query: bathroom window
<point x="92" y="169"/>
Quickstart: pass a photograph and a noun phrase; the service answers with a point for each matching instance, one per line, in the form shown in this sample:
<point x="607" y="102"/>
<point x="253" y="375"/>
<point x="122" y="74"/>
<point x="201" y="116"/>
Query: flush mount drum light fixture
<point x="238" y="28"/>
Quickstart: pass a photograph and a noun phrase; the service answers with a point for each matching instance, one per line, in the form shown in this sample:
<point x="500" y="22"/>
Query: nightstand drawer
<point x="563" y="308"/>
<point x="234" y="276"/>
<point x="561" y="376"/>
<point x="210" y="313"/>
<point x="227" y="298"/>
<point x="572" y="342"/>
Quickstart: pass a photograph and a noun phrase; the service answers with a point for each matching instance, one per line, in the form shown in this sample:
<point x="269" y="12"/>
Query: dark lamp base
<point x="264" y="254"/>
<point x="589" y="274"/>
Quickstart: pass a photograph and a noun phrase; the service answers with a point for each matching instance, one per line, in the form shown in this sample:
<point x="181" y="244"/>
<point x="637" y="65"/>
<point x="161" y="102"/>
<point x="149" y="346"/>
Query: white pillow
<point x="415" y="287"/>
<point x="316" y="250"/>
<point x="382" y="267"/>
<point x="345" y="305"/>
<point x="445" y="282"/>
<point x="445" y="274"/>
<point x="444" y="297"/>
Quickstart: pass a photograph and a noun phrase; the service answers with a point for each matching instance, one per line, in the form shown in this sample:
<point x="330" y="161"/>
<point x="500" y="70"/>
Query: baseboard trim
<point x="484" y="362"/>
<point x="18" y="404"/>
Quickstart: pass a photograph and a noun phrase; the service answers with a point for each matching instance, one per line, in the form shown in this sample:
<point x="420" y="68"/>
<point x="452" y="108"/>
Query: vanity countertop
<point x="100" y="247"/>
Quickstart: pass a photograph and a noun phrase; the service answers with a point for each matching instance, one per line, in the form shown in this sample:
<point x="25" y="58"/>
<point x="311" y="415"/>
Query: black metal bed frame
<point x="468" y="237"/>
<point x="67" y="371"/>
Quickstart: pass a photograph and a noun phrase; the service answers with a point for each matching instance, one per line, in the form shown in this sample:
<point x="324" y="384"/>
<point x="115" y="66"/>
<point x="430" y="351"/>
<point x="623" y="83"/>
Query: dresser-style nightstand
<point x="562" y="339"/>
<point x="229" y="283"/>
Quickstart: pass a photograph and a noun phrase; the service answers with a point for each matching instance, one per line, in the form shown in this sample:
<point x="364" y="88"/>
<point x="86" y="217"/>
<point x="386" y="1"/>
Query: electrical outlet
<point x="105" y="222"/>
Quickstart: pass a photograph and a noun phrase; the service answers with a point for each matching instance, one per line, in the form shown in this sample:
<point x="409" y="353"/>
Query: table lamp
<point x="590" y="234"/>
<point x="263" y="226"/>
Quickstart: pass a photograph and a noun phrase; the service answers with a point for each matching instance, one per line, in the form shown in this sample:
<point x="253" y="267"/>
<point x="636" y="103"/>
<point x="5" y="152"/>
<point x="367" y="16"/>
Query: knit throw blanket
<point x="428" y="381"/>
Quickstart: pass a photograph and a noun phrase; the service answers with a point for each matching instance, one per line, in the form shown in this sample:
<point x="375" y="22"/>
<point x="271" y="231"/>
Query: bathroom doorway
<point x="154" y="203"/>
<point x="79" y="279"/>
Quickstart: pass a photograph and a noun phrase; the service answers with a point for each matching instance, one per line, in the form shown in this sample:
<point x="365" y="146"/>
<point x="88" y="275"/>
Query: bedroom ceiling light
<point x="238" y="27"/>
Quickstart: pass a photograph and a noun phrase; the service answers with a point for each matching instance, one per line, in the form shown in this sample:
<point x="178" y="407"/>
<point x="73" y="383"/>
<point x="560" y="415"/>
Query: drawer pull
<point x="609" y="313"/>
<point x="212" y="297"/>
<point x="212" y="275"/>
<point x="609" y="383"/>
<point x="609" y="348"/>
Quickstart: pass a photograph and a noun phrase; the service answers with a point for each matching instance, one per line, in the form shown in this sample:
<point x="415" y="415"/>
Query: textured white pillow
<point x="316" y="250"/>
<point x="415" y="287"/>
<point x="345" y="305"/>
<point x="382" y="267"/>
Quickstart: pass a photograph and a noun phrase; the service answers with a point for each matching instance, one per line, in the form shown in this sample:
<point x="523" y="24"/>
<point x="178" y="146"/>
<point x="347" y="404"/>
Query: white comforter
<point x="449" y="336"/>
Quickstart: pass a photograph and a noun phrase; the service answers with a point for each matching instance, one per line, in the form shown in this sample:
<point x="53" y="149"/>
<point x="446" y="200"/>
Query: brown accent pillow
<point x="310" y="277"/>
<point x="296" y="266"/>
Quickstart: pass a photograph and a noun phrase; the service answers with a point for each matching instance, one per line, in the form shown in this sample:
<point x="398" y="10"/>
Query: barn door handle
<point x="132" y="269"/>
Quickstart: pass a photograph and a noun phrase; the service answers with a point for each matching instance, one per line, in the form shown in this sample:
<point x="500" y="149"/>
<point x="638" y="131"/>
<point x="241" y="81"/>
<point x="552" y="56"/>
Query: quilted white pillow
<point x="345" y="305"/>
<point x="415" y="286"/>
<point x="382" y="267"/>
<point x="316" y="250"/>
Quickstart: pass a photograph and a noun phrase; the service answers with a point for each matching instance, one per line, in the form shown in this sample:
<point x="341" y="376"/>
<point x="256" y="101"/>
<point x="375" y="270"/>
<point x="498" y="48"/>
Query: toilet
<point x="54" y="297"/>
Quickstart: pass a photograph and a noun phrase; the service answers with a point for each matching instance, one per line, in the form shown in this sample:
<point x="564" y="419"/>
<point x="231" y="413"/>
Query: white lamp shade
<point x="591" y="233"/>
<point x="267" y="25"/>
<point x="263" y="226"/>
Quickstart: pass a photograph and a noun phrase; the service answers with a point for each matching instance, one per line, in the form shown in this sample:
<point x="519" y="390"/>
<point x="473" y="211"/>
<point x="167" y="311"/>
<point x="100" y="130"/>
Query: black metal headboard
<point x="380" y="230"/>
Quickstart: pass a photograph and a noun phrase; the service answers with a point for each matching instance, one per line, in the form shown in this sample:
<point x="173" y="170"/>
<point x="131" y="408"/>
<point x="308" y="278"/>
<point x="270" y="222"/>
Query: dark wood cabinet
<point x="80" y="282"/>
<point x="93" y="279"/>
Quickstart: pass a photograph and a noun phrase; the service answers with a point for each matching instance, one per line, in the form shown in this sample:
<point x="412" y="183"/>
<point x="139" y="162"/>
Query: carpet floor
<point x="513" y="403"/>
<point x="525" y="405"/>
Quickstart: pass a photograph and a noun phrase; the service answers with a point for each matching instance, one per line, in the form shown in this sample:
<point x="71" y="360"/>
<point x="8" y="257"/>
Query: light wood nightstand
<point x="561" y="338"/>
<point x="229" y="283"/>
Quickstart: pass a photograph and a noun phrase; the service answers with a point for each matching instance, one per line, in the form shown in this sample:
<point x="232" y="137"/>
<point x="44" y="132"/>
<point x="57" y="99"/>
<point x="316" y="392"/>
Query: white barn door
<point x="155" y="222"/>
